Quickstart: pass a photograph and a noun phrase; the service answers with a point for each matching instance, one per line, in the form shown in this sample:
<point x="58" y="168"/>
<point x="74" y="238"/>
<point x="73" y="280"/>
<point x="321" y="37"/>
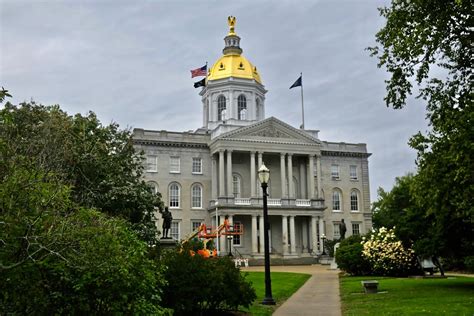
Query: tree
<point x="97" y="162"/>
<point x="429" y="43"/>
<point x="57" y="256"/>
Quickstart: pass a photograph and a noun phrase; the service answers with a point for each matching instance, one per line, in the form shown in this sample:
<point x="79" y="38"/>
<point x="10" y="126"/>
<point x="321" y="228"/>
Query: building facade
<point x="211" y="173"/>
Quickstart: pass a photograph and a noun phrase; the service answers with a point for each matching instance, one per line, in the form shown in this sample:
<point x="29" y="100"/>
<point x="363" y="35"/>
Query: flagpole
<point x="302" y="103"/>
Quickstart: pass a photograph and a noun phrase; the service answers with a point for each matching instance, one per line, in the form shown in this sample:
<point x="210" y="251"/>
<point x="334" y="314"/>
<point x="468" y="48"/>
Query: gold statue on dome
<point x="231" y="22"/>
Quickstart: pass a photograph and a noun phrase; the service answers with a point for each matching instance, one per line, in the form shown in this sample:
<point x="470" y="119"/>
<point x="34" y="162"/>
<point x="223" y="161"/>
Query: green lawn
<point x="407" y="296"/>
<point x="284" y="284"/>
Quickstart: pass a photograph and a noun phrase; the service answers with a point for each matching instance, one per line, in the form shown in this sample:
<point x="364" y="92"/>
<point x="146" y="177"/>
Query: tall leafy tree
<point x="428" y="43"/>
<point x="97" y="162"/>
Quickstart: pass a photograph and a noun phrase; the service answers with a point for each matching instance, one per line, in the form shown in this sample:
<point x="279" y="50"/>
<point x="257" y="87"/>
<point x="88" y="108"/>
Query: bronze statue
<point x="167" y="219"/>
<point x="342" y="229"/>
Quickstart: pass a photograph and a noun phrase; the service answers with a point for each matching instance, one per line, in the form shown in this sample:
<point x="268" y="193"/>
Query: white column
<point x="311" y="177"/>
<point x="283" y="176"/>
<point x="254" y="235"/>
<point x="303" y="181"/>
<point x="214" y="177"/>
<point x="221" y="174"/>
<point x="229" y="173"/>
<point x="292" y="235"/>
<point x="260" y="160"/>
<point x="314" y="235"/>
<point x="284" y="230"/>
<point x="290" y="177"/>
<point x="252" y="176"/>
<point x="261" y="230"/>
<point x="305" y="232"/>
<point x="318" y="172"/>
<point x="321" y="232"/>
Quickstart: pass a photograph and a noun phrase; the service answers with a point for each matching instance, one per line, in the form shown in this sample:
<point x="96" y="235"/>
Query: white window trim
<point x="192" y="196"/>
<point x="340" y="201"/>
<point x="155" y="164"/>
<point x="338" y="235"/>
<point x="358" y="202"/>
<point x="192" y="166"/>
<point x="352" y="228"/>
<point x="179" y="196"/>
<point x="333" y="174"/>
<point x="179" y="229"/>
<point x="356" y="178"/>
<point x="171" y="164"/>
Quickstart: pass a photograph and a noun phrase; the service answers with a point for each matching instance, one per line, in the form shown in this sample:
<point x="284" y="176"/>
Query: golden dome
<point x="233" y="66"/>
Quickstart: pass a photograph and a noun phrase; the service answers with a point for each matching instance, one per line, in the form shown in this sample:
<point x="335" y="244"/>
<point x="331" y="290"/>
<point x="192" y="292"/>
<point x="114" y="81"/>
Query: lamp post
<point x="323" y="238"/>
<point x="264" y="176"/>
<point x="217" y="231"/>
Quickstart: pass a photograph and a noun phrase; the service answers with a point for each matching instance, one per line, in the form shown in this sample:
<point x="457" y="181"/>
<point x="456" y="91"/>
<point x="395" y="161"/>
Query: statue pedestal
<point x="166" y="243"/>
<point x="333" y="265"/>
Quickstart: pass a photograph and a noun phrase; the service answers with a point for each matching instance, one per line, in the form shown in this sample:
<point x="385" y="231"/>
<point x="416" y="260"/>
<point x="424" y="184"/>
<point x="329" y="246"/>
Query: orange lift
<point x="209" y="233"/>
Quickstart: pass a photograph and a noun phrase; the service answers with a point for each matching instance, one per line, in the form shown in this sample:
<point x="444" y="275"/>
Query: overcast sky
<point x="129" y="62"/>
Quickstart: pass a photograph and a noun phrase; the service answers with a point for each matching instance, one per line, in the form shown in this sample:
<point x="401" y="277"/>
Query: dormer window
<point x="221" y="107"/>
<point x="242" y="107"/>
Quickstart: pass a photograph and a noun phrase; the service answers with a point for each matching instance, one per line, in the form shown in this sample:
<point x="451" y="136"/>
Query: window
<point x="236" y="185"/>
<point x="242" y="107"/>
<point x="355" y="229"/>
<point x="257" y="102"/>
<point x="174" y="230"/>
<point x="153" y="186"/>
<point x="196" y="196"/>
<point x="353" y="172"/>
<point x="354" y="200"/>
<point x="195" y="224"/>
<point x="221" y="108"/>
<point x="197" y="166"/>
<point x="236" y="241"/>
<point x="337" y="232"/>
<point x="174" y="195"/>
<point x="335" y="172"/>
<point x="151" y="163"/>
<point x="175" y="165"/>
<point x="336" y="200"/>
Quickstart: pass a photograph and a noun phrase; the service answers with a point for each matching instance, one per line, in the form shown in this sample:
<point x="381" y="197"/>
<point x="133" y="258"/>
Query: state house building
<point x="313" y="183"/>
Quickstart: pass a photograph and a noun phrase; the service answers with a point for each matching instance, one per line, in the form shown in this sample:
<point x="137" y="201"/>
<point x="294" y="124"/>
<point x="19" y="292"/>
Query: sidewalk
<point x="318" y="296"/>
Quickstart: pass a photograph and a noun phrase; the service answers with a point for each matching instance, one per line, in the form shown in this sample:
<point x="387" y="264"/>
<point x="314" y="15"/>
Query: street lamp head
<point x="263" y="174"/>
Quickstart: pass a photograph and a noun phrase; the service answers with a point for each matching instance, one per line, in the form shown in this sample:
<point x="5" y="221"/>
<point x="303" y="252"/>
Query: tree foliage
<point x="97" y="162"/>
<point x="197" y="285"/>
<point x="74" y="217"/>
<point x="429" y="43"/>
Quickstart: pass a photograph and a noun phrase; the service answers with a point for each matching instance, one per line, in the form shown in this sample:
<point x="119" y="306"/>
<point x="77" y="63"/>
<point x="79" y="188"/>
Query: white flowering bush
<point x="387" y="255"/>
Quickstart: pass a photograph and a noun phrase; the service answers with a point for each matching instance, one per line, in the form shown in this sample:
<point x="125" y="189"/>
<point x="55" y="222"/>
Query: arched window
<point x="153" y="186"/>
<point x="354" y="200"/>
<point x="236" y="185"/>
<point x="174" y="195"/>
<point x="242" y="107"/>
<point x="336" y="200"/>
<point x="221" y="108"/>
<point x="196" y="196"/>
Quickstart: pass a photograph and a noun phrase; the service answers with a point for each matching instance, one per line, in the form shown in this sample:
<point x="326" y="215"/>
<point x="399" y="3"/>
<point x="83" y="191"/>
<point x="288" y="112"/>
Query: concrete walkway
<point x="318" y="296"/>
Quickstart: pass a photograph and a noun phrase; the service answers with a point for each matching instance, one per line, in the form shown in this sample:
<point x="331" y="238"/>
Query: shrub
<point x="387" y="255"/>
<point x="197" y="285"/>
<point x="349" y="256"/>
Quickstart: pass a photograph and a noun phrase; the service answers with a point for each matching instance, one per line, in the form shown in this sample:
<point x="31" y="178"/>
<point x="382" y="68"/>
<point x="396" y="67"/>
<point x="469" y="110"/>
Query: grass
<point x="284" y="284"/>
<point x="407" y="296"/>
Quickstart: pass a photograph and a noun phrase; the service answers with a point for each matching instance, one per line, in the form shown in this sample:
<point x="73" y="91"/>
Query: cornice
<point x="148" y="142"/>
<point x="344" y="154"/>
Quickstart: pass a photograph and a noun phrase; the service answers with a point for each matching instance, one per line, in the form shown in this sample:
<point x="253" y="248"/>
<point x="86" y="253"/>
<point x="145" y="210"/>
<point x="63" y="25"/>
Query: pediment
<point x="270" y="129"/>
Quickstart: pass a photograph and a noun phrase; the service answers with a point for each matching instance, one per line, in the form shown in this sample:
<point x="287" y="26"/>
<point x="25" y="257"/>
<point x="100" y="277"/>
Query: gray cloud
<point x="129" y="62"/>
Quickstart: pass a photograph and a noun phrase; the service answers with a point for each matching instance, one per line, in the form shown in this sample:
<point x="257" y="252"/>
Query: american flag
<point x="199" y="71"/>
